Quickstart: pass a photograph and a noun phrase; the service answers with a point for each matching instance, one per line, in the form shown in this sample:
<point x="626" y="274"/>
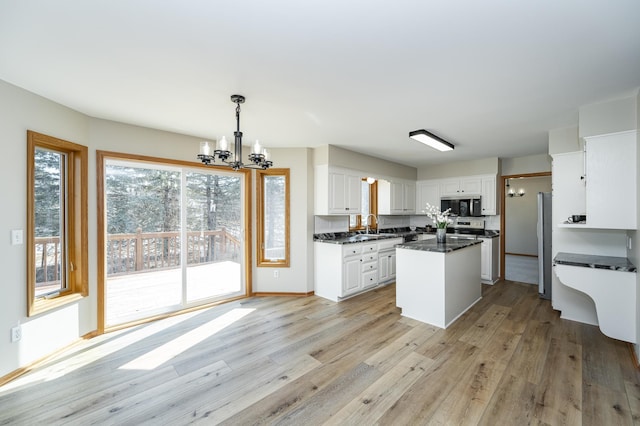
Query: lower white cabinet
<point x="489" y="256"/>
<point x="351" y="275"/>
<point x="343" y="270"/>
<point x="386" y="266"/>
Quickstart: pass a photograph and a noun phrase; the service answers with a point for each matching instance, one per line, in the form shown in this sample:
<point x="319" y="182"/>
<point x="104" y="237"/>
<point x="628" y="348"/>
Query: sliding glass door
<point x="174" y="238"/>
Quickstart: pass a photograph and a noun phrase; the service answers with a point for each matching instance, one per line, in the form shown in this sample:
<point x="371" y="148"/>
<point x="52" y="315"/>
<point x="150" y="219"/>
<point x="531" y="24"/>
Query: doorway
<point x="173" y="238"/>
<point x="519" y="215"/>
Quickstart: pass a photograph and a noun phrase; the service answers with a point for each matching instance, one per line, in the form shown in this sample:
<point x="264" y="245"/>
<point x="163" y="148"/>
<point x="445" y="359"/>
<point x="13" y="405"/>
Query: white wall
<point x="529" y="164"/>
<point x="298" y="278"/>
<point x="609" y="117"/>
<point x="371" y="166"/>
<point x="521" y="215"/>
<point x="485" y="166"/>
<point x="45" y="333"/>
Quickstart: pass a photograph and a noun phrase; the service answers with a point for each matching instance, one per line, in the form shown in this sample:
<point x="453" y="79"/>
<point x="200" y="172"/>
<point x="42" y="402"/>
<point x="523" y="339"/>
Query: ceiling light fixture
<point x="432" y="140"/>
<point x="259" y="156"/>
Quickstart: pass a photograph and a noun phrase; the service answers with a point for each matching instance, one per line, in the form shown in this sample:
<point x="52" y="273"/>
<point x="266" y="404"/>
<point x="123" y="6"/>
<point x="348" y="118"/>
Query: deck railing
<point x="143" y="251"/>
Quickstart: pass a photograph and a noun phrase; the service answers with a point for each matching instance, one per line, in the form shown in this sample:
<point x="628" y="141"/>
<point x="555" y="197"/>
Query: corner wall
<point x="21" y="111"/>
<point x="44" y="334"/>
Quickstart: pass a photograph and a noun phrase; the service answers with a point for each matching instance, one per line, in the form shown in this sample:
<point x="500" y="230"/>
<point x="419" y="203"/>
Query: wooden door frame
<point x="503" y="205"/>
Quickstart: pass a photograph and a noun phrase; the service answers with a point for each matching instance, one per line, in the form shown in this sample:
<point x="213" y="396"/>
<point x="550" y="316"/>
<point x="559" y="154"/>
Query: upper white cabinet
<point x="338" y="191"/>
<point x="396" y="197"/>
<point x="430" y="191"/>
<point x="610" y="170"/>
<point x="461" y="186"/>
<point x="488" y="195"/>
<point x="427" y="191"/>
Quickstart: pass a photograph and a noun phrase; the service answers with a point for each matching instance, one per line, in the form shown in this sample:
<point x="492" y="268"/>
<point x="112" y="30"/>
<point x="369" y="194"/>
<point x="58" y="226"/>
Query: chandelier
<point x="259" y="156"/>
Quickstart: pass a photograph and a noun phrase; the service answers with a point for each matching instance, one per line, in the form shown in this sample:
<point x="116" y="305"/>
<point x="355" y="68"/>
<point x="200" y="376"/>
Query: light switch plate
<point x="17" y="237"/>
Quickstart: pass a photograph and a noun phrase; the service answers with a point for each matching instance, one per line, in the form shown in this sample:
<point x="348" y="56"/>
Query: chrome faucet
<point x="366" y="218"/>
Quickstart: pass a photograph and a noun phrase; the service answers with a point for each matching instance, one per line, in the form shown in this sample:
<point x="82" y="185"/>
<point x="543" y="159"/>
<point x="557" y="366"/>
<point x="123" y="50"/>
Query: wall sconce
<point x="513" y="193"/>
<point x="371" y="180"/>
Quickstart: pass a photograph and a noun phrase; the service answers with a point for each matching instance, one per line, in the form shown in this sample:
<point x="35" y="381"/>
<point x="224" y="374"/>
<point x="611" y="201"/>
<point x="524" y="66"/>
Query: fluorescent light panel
<point x="432" y="140"/>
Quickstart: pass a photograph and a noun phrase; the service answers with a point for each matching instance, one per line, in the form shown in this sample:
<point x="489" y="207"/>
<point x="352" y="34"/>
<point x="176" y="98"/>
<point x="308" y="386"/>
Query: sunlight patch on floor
<point x="175" y="347"/>
<point x="92" y="350"/>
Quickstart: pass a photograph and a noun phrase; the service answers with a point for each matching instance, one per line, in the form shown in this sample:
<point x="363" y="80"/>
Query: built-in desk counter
<point x="593" y="261"/>
<point x="610" y="282"/>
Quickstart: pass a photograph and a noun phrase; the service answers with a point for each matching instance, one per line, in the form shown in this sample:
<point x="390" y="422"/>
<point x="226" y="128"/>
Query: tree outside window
<point x="57" y="262"/>
<point x="273" y="217"/>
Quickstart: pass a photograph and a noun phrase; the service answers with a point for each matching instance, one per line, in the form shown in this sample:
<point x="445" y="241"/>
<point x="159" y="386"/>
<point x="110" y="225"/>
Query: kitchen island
<point x="437" y="282"/>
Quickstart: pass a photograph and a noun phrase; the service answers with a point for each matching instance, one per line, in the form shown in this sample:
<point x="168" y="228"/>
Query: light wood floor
<point x="510" y="360"/>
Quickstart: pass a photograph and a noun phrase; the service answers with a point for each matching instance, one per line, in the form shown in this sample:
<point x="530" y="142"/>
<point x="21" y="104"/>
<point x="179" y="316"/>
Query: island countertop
<point x="432" y="246"/>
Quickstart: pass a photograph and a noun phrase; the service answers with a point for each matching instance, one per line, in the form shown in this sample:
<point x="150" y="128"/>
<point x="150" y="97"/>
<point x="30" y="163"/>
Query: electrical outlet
<point x="276" y="274"/>
<point x="16" y="333"/>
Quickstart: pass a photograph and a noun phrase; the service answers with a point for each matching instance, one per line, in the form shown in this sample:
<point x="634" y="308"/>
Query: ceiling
<point x="492" y="77"/>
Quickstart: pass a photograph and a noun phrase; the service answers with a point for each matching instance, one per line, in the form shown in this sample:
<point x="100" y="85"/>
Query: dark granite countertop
<point x="432" y="246"/>
<point x="352" y="239"/>
<point x="594" y="261"/>
<point x="358" y="237"/>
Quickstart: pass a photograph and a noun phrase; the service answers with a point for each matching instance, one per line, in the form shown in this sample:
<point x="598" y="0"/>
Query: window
<point x="369" y="204"/>
<point x="57" y="271"/>
<point x="273" y="217"/>
<point x="171" y="236"/>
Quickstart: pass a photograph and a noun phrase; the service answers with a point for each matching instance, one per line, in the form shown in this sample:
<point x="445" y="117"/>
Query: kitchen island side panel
<point x="463" y="283"/>
<point x="420" y="291"/>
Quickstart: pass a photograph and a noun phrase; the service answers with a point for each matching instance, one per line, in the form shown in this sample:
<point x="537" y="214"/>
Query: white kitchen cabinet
<point x="342" y="270"/>
<point x="387" y="266"/>
<point x="489" y="256"/>
<point x="337" y="191"/>
<point x="427" y="191"/>
<point x="488" y="195"/>
<point x="352" y="275"/>
<point x="409" y="204"/>
<point x="471" y="185"/>
<point x="611" y="181"/>
<point x="396" y="197"/>
<point x="387" y="260"/>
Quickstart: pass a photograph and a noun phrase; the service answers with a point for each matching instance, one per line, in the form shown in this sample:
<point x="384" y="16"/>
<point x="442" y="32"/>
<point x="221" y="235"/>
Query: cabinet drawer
<point x="370" y="248"/>
<point x="370" y="266"/>
<point x="370" y="257"/>
<point x="389" y="244"/>
<point x="370" y="279"/>
<point x="351" y="249"/>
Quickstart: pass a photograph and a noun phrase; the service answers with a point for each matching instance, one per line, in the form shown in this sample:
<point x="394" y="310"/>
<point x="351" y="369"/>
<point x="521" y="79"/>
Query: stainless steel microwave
<point x="462" y="206"/>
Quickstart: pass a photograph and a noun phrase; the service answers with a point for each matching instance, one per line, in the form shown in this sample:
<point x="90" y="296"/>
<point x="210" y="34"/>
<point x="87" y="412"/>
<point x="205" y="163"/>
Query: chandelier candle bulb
<point x="266" y="154"/>
<point x="205" y="148"/>
<point x="257" y="149"/>
<point x="223" y="144"/>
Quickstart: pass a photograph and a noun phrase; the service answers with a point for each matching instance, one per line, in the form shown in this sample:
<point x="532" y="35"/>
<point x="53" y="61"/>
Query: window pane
<point x="49" y="195"/>
<point x="365" y="199"/>
<point x="214" y="224"/>
<point x="274" y="217"/>
<point x="143" y="241"/>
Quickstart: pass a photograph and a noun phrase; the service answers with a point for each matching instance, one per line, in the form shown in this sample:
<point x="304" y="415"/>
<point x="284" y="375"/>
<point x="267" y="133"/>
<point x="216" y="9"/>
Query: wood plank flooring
<point x="510" y="360"/>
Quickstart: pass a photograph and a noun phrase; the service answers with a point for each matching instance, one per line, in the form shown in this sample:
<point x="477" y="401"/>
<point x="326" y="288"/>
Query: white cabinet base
<point x="437" y="288"/>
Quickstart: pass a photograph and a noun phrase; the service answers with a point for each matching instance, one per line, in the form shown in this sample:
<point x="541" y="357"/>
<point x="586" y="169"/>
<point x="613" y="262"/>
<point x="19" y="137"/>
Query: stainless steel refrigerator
<point x="544" y="244"/>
